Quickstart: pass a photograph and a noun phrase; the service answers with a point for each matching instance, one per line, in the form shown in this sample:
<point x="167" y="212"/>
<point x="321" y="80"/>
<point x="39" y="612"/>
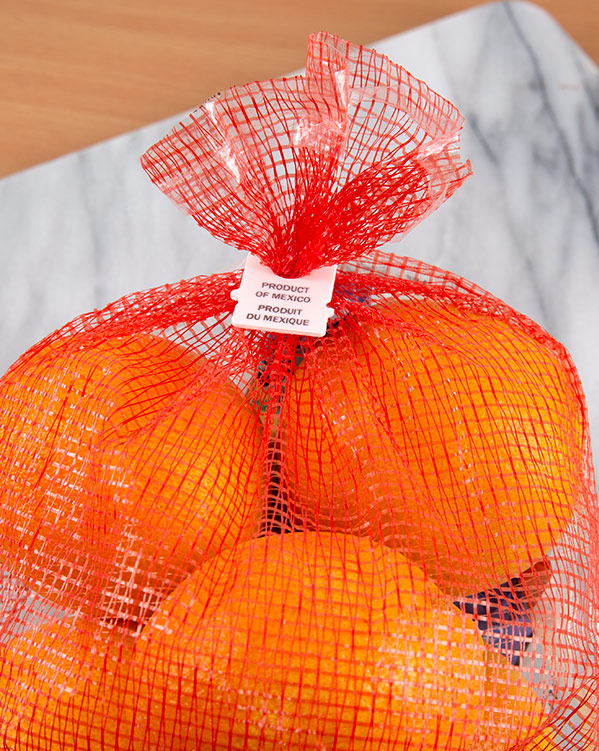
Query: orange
<point x="449" y="433"/>
<point x="513" y="708"/>
<point x="314" y="641"/>
<point x="544" y="741"/>
<point x="63" y="686"/>
<point x="122" y="464"/>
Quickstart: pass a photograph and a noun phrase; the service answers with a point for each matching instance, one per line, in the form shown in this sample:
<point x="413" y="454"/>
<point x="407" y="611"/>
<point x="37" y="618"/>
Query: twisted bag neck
<point x="316" y="169"/>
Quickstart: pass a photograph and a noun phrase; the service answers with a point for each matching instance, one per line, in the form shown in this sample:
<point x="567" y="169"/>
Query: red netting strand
<point x="316" y="169"/>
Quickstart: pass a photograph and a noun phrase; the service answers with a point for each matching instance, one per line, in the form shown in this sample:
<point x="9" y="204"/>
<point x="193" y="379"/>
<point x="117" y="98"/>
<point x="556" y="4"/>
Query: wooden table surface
<point x="75" y="72"/>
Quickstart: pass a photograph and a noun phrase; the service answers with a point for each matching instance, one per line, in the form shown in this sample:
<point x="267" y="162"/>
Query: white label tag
<point x="268" y="302"/>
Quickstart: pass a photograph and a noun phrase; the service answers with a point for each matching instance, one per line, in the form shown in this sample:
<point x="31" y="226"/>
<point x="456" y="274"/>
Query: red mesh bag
<point x="222" y="537"/>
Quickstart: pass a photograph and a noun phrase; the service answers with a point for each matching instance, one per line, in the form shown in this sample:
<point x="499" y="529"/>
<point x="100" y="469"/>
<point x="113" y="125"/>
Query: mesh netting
<point x="382" y="538"/>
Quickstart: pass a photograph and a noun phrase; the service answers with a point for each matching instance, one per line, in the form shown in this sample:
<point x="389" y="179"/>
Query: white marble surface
<point x="83" y="230"/>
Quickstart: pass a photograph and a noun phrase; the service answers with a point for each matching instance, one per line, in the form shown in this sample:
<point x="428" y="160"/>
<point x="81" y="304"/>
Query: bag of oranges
<point x="337" y="500"/>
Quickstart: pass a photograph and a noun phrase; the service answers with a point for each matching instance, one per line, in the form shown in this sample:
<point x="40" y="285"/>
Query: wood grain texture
<point x="75" y="72"/>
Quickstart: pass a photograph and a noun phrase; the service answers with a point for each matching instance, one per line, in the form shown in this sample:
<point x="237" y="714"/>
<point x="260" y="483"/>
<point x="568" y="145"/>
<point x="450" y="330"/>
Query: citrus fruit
<point x="63" y="687"/>
<point x="313" y="641"/>
<point x="546" y="740"/>
<point x="513" y="708"/>
<point x="123" y="464"/>
<point x="450" y="433"/>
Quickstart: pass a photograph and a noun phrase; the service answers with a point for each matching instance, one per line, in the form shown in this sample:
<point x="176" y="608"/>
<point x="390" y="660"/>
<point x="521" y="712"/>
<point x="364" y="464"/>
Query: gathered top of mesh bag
<point x="315" y="169"/>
